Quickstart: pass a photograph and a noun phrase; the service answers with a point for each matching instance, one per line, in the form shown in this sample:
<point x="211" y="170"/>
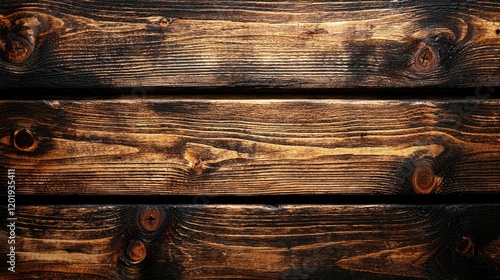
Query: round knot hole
<point x="24" y="140"/>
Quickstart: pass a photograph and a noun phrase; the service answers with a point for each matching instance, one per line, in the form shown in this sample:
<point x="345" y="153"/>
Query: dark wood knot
<point x="24" y="140"/>
<point x="426" y="58"/>
<point x="166" y="22"/>
<point x="22" y="32"/>
<point x="465" y="247"/>
<point x="150" y="218"/>
<point x="424" y="180"/>
<point x="136" y="252"/>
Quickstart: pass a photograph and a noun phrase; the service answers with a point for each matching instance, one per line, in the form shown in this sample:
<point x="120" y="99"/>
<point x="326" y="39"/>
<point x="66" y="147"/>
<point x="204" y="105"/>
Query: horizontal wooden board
<point x="255" y="242"/>
<point x="251" y="147"/>
<point x="288" y="44"/>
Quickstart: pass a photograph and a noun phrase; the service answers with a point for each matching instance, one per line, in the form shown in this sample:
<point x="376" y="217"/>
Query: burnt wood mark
<point x="311" y="44"/>
<point x="258" y="242"/>
<point x="251" y="147"/>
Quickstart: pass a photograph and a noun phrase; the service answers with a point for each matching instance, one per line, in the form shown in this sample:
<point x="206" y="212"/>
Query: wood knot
<point x="150" y="218"/>
<point x="197" y="167"/>
<point x="136" y="252"/>
<point x="21" y="32"/>
<point x="424" y="180"/>
<point x="18" y="50"/>
<point x="24" y="140"/>
<point x="166" y="22"/>
<point x="465" y="247"/>
<point x="426" y="58"/>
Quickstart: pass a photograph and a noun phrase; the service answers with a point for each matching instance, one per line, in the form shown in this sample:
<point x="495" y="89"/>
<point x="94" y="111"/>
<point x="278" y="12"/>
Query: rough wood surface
<point x="251" y="147"/>
<point x="290" y="44"/>
<point x="256" y="242"/>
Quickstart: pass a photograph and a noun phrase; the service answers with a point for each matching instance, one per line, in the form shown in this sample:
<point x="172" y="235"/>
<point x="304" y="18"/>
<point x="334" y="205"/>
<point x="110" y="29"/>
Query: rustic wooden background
<point x="357" y="177"/>
<point x="180" y="164"/>
<point x="286" y="44"/>
<point x="258" y="242"/>
<point x="252" y="147"/>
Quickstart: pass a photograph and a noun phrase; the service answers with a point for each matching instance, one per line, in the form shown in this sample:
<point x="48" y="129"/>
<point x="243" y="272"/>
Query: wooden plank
<point x="256" y="242"/>
<point x="288" y="44"/>
<point x="252" y="147"/>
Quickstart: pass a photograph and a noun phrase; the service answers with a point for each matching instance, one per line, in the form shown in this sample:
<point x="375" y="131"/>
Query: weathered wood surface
<point x="251" y="147"/>
<point x="289" y="44"/>
<point x="256" y="242"/>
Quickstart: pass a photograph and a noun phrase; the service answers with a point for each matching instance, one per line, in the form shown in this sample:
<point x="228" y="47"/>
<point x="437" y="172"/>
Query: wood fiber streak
<point x="298" y="44"/>
<point x="252" y="147"/>
<point x="259" y="242"/>
<point x="65" y="242"/>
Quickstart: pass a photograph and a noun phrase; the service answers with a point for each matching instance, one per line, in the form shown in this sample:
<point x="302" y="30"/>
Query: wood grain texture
<point x="252" y="147"/>
<point x="288" y="44"/>
<point x="258" y="242"/>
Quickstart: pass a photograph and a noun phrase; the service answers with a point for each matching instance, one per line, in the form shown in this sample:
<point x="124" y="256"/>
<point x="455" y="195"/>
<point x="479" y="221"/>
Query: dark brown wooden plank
<point x="289" y="44"/>
<point x="252" y="147"/>
<point x="256" y="242"/>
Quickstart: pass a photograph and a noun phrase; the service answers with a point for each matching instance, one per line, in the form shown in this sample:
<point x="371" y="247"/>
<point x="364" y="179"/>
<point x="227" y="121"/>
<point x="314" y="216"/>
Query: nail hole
<point x="136" y="251"/>
<point x="497" y="31"/>
<point x="465" y="246"/>
<point x="24" y="140"/>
